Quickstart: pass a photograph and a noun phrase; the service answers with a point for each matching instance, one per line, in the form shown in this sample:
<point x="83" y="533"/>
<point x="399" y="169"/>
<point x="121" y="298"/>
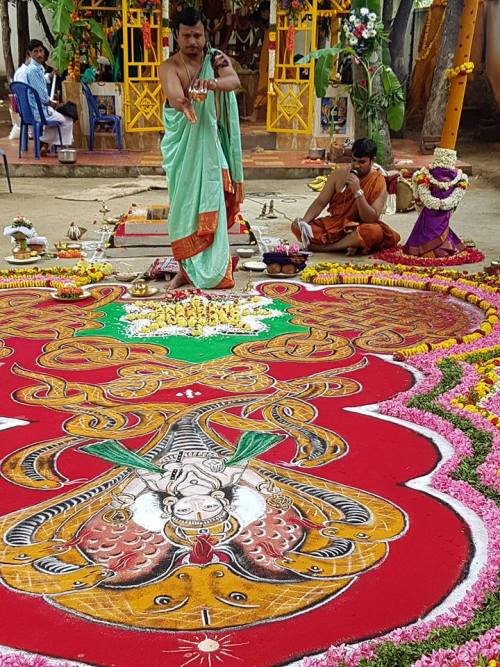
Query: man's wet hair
<point x="189" y="16"/>
<point x="34" y="44"/>
<point x="364" y="148"/>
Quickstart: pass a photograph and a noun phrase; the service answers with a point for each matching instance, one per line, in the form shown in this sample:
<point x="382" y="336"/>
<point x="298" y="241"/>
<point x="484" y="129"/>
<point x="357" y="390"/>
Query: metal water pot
<point x="316" y="153"/>
<point x="67" y="155"/>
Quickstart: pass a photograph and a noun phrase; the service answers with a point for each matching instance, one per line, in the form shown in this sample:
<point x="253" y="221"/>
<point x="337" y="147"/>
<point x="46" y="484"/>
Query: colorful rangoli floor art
<point x="326" y="479"/>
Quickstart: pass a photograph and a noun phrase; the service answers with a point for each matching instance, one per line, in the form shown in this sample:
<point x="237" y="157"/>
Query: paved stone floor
<point x="477" y="217"/>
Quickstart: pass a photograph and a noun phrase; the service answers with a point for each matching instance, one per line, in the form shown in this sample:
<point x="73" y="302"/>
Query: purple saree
<point x="432" y="236"/>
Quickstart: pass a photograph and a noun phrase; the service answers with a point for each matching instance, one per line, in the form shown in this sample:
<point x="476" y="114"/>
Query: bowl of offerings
<point x="285" y="260"/>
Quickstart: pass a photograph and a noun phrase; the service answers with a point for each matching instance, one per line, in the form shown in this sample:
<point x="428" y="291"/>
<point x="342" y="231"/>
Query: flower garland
<point x="397" y="256"/>
<point x="444" y="185"/>
<point x="422" y="182"/>
<point x="427" y="43"/>
<point x="444" y="157"/>
<point x="334" y="275"/>
<point x="478" y="398"/>
<point x="293" y="8"/>
<point x="82" y="273"/>
<point x="464" y="68"/>
<point x="463" y="634"/>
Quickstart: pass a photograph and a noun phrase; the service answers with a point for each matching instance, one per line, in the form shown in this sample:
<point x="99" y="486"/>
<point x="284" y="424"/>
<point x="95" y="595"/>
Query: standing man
<point x="201" y="155"/>
<point x="35" y="77"/>
<point x="355" y="200"/>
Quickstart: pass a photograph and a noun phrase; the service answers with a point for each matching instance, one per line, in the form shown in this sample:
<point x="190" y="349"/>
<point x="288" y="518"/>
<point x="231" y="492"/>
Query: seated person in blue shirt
<point x="35" y="77"/>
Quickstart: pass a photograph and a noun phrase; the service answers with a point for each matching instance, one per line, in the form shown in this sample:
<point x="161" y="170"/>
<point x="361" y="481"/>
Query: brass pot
<point x="139" y="287"/>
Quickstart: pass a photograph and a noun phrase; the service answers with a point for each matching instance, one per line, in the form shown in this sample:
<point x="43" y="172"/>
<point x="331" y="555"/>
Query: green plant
<point x="77" y="36"/>
<point x="361" y="38"/>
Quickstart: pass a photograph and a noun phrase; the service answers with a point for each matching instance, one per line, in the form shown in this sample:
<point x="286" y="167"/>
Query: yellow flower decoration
<point x="464" y="68"/>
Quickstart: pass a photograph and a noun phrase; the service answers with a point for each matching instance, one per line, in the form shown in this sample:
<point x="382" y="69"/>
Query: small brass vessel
<point x="139" y="287"/>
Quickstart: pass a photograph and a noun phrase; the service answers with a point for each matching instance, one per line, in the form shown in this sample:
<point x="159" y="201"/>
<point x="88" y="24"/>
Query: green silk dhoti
<point x="203" y="165"/>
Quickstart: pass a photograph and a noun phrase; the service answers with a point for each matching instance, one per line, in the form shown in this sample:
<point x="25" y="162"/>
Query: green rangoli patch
<point x="187" y="348"/>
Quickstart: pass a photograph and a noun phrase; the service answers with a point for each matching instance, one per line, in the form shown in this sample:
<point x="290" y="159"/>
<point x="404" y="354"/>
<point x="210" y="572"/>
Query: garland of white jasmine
<point x="423" y="180"/>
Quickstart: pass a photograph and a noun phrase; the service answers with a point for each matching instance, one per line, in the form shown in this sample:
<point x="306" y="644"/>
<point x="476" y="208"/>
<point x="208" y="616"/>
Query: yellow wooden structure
<point x="290" y="102"/>
<point x="142" y="92"/>
<point x="459" y="77"/>
<point x="145" y="46"/>
<point x="290" y="86"/>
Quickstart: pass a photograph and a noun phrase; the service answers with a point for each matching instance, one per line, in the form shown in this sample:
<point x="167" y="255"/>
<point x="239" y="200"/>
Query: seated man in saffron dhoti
<point x="356" y="199"/>
<point x="201" y="155"/>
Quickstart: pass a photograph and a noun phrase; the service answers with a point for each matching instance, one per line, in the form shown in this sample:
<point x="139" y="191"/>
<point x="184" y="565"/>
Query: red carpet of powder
<point x="421" y="569"/>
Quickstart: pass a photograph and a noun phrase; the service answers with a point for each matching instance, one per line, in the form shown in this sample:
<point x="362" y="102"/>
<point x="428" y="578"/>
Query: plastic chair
<point x="6" y="165"/>
<point x="98" y="118"/>
<point x="22" y="93"/>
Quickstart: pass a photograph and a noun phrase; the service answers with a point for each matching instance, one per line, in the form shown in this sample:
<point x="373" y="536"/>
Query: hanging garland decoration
<point x="426" y="43"/>
<point x="165" y="35"/>
<point x="146" y="35"/>
<point x="423" y="180"/>
<point x="293" y="9"/>
<point x="272" y="54"/>
<point x="114" y="27"/>
<point x="464" y="68"/>
<point x="444" y="185"/>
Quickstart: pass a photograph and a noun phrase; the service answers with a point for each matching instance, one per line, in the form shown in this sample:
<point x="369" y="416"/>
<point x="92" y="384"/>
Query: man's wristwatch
<point x="359" y="193"/>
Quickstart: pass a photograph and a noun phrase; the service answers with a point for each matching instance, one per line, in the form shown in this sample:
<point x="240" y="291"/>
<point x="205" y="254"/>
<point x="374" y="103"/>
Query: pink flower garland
<point x="467" y="655"/>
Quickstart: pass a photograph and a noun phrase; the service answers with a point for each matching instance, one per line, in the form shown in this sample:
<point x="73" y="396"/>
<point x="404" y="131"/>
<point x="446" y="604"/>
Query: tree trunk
<point x="7" y="51"/>
<point x="398" y="37"/>
<point x="46" y="28"/>
<point x="23" y="30"/>
<point x="434" y="112"/>
<point x="387" y="12"/>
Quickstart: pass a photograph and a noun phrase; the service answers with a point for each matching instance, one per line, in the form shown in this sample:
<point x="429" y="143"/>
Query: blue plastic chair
<point x="22" y="93"/>
<point x="98" y="118"/>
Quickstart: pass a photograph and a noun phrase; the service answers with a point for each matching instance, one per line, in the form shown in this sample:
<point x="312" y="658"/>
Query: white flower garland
<point x="422" y="181"/>
<point x="444" y="185"/>
<point x="444" y="157"/>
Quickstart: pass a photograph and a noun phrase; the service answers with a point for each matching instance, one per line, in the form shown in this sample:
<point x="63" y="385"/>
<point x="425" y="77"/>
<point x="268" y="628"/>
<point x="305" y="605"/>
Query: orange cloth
<point x="344" y="218"/>
<point x="423" y="71"/>
<point x="261" y="96"/>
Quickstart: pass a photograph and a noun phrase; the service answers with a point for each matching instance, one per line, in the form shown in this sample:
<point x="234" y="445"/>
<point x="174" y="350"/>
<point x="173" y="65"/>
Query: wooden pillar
<point x="459" y="82"/>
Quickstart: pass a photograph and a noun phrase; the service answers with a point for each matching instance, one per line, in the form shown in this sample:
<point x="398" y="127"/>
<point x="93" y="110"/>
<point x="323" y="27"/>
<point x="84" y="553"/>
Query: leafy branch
<point x="75" y="33"/>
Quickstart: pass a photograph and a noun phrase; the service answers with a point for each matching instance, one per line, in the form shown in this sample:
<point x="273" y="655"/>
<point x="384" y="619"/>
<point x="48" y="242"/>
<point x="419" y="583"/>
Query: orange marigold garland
<point x="327" y="273"/>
